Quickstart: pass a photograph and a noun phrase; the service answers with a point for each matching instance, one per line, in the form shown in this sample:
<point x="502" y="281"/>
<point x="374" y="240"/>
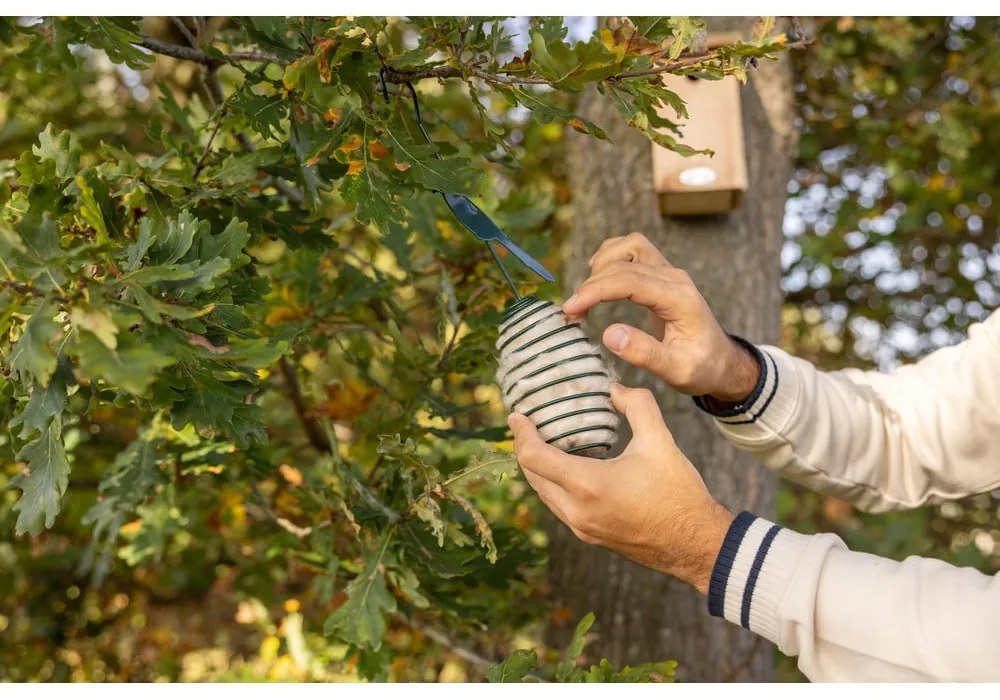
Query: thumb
<point x="635" y="347"/>
<point x="641" y="411"/>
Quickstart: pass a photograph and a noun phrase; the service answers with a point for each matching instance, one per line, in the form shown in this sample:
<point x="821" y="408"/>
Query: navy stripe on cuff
<point x="708" y="404"/>
<point x="724" y="562"/>
<point x="758" y="561"/>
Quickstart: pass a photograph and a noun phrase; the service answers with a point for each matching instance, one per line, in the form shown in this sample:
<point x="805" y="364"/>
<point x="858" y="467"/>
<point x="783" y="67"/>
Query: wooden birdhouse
<point x="703" y="184"/>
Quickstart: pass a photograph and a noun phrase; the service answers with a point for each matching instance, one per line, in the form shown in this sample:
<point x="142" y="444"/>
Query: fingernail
<point x="616" y="338"/>
<point x="570" y="302"/>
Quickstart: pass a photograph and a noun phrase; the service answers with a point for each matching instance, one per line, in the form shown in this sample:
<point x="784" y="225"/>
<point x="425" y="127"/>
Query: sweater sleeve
<point x="925" y="433"/>
<point x="850" y="616"/>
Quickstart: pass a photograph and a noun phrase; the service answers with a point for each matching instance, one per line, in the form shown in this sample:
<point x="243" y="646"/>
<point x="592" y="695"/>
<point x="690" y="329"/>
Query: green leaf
<point x="489" y="465"/>
<point x="90" y="210"/>
<point x="43" y="480"/>
<point x="45" y="404"/>
<point x="61" y="150"/>
<point x="361" y="619"/>
<point x="654" y="88"/>
<point x="514" y="668"/>
<point x="566" y="670"/>
<point x="451" y="175"/>
<point x="228" y="244"/>
<point x="119" y="40"/>
<point x="655" y="29"/>
<point x="262" y="113"/>
<point x="547" y="112"/>
<point x="686" y="31"/>
<point x="553" y="60"/>
<point x="176" y="240"/>
<point x="147" y="236"/>
<point x="33" y="355"/>
<point x="371" y="193"/>
<point x="133" y="477"/>
<point x="41" y="237"/>
<point x="132" y="367"/>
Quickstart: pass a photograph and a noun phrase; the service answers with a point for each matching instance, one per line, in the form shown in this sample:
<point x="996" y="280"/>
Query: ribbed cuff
<point x="752" y="573"/>
<point x="708" y="403"/>
<point x="774" y="392"/>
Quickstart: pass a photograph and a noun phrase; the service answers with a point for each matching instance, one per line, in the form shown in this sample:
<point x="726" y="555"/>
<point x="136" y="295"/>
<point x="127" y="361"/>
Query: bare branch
<point x="183" y="29"/>
<point x="29" y="290"/>
<point x="687" y="62"/>
<point x="208" y="146"/>
<point x="187" y="53"/>
<point x="313" y="431"/>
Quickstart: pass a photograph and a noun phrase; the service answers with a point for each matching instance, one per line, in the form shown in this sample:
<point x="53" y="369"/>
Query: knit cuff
<point x="760" y="398"/>
<point x="752" y="573"/>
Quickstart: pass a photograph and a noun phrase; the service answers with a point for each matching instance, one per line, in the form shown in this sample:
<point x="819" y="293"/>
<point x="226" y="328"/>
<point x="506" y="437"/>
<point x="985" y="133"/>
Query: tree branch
<point x="687" y="62"/>
<point x="186" y="53"/>
<point x="456" y="70"/>
<point x="30" y="290"/>
<point x="183" y="29"/>
<point x="208" y="146"/>
<point x="316" y="437"/>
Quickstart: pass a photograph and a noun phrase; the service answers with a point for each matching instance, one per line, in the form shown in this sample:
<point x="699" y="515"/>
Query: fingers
<point x="636" y="283"/>
<point x="552" y="495"/>
<point x="640" y="410"/>
<point x="636" y="347"/>
<point x="631" y="248"/>
<point x="551" y="463"/>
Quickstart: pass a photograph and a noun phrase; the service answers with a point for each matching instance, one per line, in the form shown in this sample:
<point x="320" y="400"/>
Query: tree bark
<point x="734" y="260"/>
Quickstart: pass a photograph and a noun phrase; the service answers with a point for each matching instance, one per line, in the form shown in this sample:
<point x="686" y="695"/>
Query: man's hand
<point x="648" y="504"/>
<point x="688" y="349"/>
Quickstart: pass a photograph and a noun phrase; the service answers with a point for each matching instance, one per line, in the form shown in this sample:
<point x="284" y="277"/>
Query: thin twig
<point x="208" y="146"/>
<point x="316" y="437"/>
<point x="183" y="29"/>
<point x="454" y="70"/>
<point x="188" y="53"/>
<point x="458" y="325"/>
<point x="459" y="650"/>
<point x="687" y="62"/>
<point x="25" y="288"/>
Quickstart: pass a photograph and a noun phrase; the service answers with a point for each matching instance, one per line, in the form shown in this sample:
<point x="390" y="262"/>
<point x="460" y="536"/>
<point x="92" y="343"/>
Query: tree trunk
<point x="734" y="260"/>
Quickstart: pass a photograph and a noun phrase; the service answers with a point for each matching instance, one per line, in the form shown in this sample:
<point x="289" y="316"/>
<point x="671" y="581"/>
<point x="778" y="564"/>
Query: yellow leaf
<point x="333" y="116"/>
<point x="347" y="400"/>
<point x="352" y="143"/>
<point x="292" y="475"/>
<point x="131" y="528"/>
<point x="97" y="322"/>
<point x="269" y="649"/>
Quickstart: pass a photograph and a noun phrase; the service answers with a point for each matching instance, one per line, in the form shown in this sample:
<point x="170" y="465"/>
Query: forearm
<point x="922" y="434"/>
<point x="850" y="616"/>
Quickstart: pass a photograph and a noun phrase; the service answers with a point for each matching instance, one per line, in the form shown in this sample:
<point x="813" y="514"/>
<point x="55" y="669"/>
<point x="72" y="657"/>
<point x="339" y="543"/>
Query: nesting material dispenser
<point x="703" y="184"/>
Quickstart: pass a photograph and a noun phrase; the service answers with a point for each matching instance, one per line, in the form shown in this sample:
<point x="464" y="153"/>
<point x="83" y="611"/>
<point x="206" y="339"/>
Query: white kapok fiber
<point x="549" y="371"/>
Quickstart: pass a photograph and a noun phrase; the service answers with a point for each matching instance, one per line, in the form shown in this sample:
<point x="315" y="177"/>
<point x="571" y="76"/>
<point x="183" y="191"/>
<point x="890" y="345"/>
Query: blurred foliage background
<point x="892" y="250"/>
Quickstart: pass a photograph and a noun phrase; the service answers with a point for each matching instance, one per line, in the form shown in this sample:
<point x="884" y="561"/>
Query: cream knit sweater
<point x="925" y="433"/>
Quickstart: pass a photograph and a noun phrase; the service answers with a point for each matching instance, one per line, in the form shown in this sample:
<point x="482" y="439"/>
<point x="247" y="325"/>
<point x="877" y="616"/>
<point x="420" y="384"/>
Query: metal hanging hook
<point x="471" y="216"/>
